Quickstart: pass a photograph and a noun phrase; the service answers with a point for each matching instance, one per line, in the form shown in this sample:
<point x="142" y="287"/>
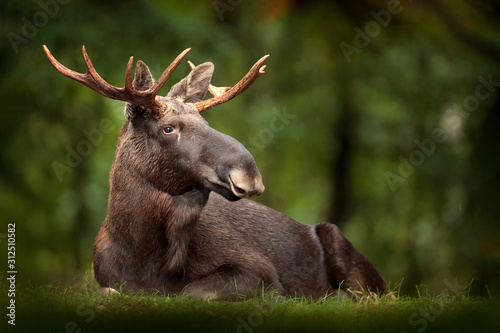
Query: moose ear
<point x="143" y="80"/>
<point x="193" y="87"/>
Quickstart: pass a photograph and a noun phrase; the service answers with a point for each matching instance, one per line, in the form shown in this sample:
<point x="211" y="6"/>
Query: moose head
<point x="173" y="147"/>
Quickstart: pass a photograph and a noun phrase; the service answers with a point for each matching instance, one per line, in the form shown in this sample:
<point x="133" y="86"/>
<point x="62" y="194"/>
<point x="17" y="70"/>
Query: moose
<point x="178" y="219"/>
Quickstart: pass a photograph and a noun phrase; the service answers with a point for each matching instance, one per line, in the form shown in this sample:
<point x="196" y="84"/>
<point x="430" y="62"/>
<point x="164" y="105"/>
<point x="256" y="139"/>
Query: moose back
<point x="178" y="219"/>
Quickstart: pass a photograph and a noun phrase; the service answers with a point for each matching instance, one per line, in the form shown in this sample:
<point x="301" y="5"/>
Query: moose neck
<point x="147" y="218"/>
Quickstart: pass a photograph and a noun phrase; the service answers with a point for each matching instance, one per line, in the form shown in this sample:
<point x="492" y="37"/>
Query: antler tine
<point x="128" y="76"/>
<point x="91" y="78"/>
<point x="128" y="93"/>
<point x="166" y="74"/>
<point x="103" y="87"/>
<point x="82" y="78"/>
<point x="222" y="95"/>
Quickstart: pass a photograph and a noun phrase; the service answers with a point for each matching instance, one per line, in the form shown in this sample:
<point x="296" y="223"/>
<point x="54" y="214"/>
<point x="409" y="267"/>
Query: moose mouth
<point x="224" y="190"/>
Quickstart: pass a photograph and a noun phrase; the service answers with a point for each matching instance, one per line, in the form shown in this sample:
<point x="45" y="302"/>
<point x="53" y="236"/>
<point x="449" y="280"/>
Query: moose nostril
<point x="238" y="191"/>
<point x="244" y="186"/>
<point x="238" y="184"/>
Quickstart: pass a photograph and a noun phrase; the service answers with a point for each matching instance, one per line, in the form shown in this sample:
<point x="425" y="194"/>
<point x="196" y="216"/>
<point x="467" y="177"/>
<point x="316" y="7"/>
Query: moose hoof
<point x="206" y="296"/>
<point x="108" y="291"/>
<point x="340" y="295"/>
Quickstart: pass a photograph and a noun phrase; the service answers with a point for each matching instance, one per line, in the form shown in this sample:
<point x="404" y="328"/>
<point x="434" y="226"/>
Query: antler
<point x="224" y="94"/>
<point x="128" y="93"/>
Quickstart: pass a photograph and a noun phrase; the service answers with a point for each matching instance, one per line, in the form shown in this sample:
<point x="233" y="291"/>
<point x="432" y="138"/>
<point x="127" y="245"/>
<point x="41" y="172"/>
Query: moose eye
<point x="168" y="129"/>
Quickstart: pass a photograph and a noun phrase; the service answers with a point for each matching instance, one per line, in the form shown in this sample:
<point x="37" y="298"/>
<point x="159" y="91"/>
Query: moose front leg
<point x="231" y="283"/>
<point x="347" y="267"/>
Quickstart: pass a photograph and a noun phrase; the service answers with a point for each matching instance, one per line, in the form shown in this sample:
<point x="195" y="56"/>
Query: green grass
<point x="53" y="308"/>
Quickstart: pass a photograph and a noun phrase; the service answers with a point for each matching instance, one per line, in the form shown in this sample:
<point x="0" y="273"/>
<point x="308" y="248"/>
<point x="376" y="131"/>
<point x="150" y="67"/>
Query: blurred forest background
<point x="379" y="116"/>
